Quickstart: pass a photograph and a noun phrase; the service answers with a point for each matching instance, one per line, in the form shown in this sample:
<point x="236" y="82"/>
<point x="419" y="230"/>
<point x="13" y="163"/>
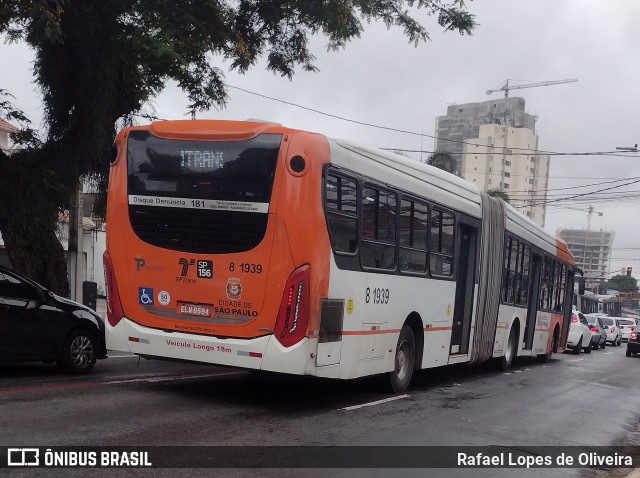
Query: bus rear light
<point x="114" y="306"/>
<point x="293" y="316"/>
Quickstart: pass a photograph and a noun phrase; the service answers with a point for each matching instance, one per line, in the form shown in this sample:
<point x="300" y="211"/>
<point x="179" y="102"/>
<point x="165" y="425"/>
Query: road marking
<point x="63" y="386"/>
<point x="517" y="371"/>
<point x="122" y="356"/>
<point x="575" y="360"/>
<point x="371" y="404"/>
<point x="607" y="353"/>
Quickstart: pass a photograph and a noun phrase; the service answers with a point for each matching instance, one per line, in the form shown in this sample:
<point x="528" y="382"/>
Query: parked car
<point x="626" y="327"/>
<point x="633" y="344"/>
<point x="598" y="330"/>
<point x="614" y="334"/>
<point x="580" y="336"/>
<point x="38" y="325"/>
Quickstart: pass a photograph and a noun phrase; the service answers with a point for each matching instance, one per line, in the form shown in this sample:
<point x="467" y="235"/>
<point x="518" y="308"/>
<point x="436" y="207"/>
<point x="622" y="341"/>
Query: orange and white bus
<point x="253" y="245"/>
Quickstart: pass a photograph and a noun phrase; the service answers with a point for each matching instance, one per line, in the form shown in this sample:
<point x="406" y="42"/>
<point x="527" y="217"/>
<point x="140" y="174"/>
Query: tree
<point x="622" y="283"/>
<point x="499" y="193"/>
<point x="98" y="62"/>
<point x="444" y="161"/>
<point x="402" y="153"/>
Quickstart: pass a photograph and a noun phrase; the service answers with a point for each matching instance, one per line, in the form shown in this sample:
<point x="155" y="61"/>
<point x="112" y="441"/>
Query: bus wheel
<point x="507" y="359"/>
<point x="404" y="361"/>
<point x="544" y="358"/>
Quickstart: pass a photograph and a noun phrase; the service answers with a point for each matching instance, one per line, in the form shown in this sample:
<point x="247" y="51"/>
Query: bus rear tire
<point x="510" y="352"/>
<point x="404" y="361"/>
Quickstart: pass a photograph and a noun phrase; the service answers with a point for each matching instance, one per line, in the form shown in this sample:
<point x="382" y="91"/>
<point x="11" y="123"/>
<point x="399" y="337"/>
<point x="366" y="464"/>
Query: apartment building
<point x="495" y="144"/>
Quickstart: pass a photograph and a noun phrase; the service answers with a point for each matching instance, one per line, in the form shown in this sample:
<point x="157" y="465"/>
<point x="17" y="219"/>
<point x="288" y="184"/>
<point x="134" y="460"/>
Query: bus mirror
<point x="581" y="285"/>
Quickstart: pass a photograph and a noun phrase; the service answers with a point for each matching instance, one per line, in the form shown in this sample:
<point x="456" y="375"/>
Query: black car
<point x="36" y="324"/>
<point x="633" y="344"/>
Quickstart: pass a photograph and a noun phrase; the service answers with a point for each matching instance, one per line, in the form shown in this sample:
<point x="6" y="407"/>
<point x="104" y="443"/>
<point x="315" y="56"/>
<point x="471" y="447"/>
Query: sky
<point x="382" y="79"/>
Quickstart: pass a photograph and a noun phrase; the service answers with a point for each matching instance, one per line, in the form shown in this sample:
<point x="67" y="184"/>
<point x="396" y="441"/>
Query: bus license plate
<point x="199" y="310"/>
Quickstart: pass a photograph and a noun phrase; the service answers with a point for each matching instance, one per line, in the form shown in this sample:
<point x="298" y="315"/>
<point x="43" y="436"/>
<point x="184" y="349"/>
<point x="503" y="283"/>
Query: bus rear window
<point x="209" y="197"/>
<point x="209" y="170"/>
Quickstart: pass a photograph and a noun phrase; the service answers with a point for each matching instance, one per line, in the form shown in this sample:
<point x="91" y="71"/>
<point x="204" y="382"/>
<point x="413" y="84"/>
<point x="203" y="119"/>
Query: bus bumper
<point x="262" y="353"/>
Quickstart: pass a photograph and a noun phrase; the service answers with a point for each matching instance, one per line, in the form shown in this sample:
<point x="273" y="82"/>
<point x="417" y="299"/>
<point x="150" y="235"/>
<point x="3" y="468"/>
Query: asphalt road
<point x="574" y="400"/>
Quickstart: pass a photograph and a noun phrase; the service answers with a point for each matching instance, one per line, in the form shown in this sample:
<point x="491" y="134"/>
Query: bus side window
<point x="378" y="248"/>
<point x="413" y="235"/>
<point x="342" y="213"/>
<point x="524" y="254"/>
<point x="441" y="250"/>
<point x="544" y="288"/>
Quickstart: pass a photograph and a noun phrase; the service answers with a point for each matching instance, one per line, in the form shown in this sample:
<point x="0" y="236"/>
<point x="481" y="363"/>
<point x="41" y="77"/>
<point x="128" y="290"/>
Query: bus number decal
<point x="246" y="268"/>
<point x="377" y="296"/>
<point x="251" y="268"/>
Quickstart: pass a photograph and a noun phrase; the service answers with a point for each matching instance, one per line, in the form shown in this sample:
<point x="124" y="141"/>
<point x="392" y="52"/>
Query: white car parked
<point x="614" y="334"/>
<point x="580" y="335"/>
<point x="626" y="327"/>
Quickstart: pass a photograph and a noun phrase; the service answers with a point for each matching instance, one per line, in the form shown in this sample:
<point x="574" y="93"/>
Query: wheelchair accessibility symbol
<point x="145" y="296"/>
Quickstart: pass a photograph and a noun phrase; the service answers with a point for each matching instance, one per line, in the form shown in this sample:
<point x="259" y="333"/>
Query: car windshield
<point x="607" y="321"/>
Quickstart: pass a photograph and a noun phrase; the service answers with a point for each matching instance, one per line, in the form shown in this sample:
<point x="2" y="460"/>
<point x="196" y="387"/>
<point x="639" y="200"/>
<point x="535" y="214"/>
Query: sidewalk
<point x="101" y="308"/>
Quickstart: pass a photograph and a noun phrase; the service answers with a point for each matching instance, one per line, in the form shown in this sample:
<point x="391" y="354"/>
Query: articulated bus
<point x="610" y="305"/>
<point x="256" y="246"/>
<point x="587" y="303"/>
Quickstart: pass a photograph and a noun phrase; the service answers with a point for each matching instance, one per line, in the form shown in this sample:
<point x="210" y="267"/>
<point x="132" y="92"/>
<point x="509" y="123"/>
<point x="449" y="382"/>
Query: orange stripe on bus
<point x="376" y="332"/>
<point x="370" y="332"/>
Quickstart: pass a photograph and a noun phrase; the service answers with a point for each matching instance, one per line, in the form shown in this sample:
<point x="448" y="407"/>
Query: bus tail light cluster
<point x="293" y="316"/>
<point x="114" y="306"/>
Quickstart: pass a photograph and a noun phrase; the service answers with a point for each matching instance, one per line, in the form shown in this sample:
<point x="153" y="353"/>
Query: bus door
<point x="533" y="299"/>
<point x="465" y="280"/>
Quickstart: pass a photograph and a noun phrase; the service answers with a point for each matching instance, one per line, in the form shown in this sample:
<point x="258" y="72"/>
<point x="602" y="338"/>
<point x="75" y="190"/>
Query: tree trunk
<point x="20" y="238"/>
<point x="30" y="199"/>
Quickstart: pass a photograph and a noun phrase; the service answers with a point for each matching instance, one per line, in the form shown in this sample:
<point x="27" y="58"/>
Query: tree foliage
<point x="622" y="283"/>
<point x="499" y="193"/>
<point x="444" y="161"/>
<point x="98" y="62"/>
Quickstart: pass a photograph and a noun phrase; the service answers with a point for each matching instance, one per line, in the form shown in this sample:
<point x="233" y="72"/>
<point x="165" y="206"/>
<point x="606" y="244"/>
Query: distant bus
<point x="610" y="305"/>
<point x="587" y="303"/>
<point x="256" y="246"/>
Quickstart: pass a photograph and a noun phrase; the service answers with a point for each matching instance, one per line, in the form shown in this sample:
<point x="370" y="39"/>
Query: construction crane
<point x="506" y="87"/>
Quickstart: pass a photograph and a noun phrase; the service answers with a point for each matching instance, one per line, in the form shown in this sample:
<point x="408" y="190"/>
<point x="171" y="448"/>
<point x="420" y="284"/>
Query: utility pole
<point x="75" y="259"/>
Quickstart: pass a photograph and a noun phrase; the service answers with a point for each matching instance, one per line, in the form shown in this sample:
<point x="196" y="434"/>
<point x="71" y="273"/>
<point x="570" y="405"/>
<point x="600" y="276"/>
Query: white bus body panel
<point x="262" y="353"/>
<point x="371" y="330"/>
